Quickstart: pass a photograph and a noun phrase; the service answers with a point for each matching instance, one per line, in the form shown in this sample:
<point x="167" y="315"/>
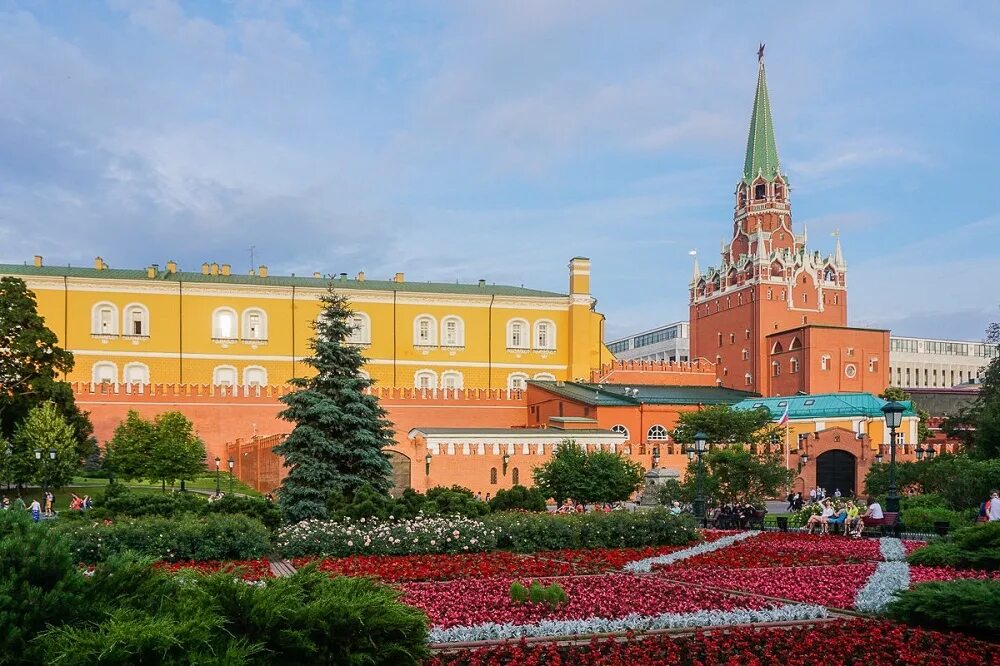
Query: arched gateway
<point x="837" y="469"/>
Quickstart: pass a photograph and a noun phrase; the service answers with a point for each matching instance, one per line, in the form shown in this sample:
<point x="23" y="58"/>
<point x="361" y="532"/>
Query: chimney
<point x="226" y="269"/>
<point x="343" y="277"/>
<point x="317" y="274"/>
<point x="151" y="272"/>
<point x="482" y="283"/>
<point x="204" y="269"/>
<point x="398" y="278"/>
<point x="214" y="269"/>
<point x="262" y="271"/>
<point x="99" y="264"/>
<point x="38" y="261"/>
<point x="171" y="266"/>
<point x="361" y="275"/>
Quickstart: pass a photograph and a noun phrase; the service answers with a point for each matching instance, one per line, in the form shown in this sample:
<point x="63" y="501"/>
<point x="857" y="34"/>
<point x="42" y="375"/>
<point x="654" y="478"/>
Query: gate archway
<point x="400" y="472"/>
<point x="837" y="469"/>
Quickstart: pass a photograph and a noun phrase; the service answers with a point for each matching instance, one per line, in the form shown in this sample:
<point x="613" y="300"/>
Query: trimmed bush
<point x="970" y="606"/>
<point x="455" y="501"/>
<point x="976" y="547"/>
<point x="518" y="498"/>
<point x="252" y="507"/>
<point x="214" y="537"/>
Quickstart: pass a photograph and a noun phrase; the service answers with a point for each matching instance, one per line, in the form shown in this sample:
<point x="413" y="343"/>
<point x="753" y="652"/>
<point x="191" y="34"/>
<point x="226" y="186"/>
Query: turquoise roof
<point x="823" y="405"/>
<point x="273" y="280"/>
<point x="762" y="150"/>
<point x="614" y="395"/>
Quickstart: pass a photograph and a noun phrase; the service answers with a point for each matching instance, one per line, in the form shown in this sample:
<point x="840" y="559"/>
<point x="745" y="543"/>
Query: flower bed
<point x="785" y="549"/>
<point x="911" y="546"/>
<point x="921" y="574"/>
<point x="249" y="569"/>
<point x="851" y="642"/>
<point x="834" y="586"/>
<point x="477" y="601"/>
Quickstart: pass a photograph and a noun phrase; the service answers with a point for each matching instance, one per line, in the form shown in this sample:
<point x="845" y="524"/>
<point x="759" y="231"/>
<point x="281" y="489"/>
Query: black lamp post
<point x="878" y="457"/>
<point x="427" y="465"/>
<point x="700" y="446"/>
<point x="893" y="418"/>
<point x="656" y="457"/>
<point x="920" y="452"/>
<point x="232" y="463"/>
<point x="7" y="466"/>
<point x="929" y="452"/>
<point x="218" y="461"/>
<point x="506" y="461"/>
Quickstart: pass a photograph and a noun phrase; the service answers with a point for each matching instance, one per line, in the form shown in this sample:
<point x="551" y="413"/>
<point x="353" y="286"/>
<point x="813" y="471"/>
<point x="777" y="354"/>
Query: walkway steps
<point x="280" y="567"/>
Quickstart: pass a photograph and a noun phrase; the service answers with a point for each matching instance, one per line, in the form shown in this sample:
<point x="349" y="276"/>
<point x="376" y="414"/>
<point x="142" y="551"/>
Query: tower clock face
<point x="850" y="370"/>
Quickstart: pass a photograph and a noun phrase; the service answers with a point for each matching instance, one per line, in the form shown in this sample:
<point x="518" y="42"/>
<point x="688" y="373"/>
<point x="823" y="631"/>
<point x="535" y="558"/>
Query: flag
<point x="784" y="417"/>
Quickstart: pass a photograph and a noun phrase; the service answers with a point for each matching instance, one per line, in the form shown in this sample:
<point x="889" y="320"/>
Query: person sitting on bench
<point x="874" y="513"/>
<point x="820" y="519"/>
<point x="838" y="519"/>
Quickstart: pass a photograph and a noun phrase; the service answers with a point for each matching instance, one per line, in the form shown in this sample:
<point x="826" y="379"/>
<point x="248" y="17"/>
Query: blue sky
<point x="467" y="140"/>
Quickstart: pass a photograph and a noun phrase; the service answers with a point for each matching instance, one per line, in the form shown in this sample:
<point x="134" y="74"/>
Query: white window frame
<point x="97" y="321"/>
<point x="550" y="335"/>
<point x="261" y="334"/>
<point x="128" y="318"/>
<point x="793" y="365"/>
<point x="364" y="375"/>
<point x="517" y="381"/>
<point x="824" y="362"/>
<point x="361" y="334"/>
<point x="254" y="368"/>
<point x="430" y="375"/>
<point x="525" y="331"/>
<point x="545" y="376"/>
<point x="431" y="339"/>
<point x="619" y="428"/>
<point x="657" y="433"/>
<point x="459" y="339"/>
<point x="217" y="332"/>
<point x="142" y="367"/>
<point x="217" y="372"/>
<point x="446" y="377"/>
<point x="106" y="365"/>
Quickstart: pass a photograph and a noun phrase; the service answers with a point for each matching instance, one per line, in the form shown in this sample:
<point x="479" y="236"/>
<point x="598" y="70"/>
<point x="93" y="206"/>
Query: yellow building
<point x="217" y="327"/>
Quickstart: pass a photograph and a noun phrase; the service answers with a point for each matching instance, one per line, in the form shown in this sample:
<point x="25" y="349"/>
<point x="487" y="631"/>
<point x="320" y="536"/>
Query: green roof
<point x="820" y="405"/>
<point x="624" y="395"/>
<point x="505" y="432"/>
<point x="273" y="280"/>
<point x="762" y="151"/>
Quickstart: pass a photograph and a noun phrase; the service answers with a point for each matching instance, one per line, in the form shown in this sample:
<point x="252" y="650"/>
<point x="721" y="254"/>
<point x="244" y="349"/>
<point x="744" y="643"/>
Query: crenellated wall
<point x="699" y="372"/>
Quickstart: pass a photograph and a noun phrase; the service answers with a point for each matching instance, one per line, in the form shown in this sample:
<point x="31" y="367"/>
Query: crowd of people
<point x="731" y="516"/>
<point x="848" y="517"/>
<point x="45" y="507"/>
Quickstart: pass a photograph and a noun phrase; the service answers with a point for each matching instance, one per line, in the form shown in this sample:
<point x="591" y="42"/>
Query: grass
<point x="205" y="482"/>
<point x="62" y="495"/>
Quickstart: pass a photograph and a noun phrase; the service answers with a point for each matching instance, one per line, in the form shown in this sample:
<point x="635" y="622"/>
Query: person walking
<point x="49" y="498"/>
<point x="791" y="501"/>
<point x="36" y="510"/>
<point x="993" y="507"/>
<point x="812" y="495"/>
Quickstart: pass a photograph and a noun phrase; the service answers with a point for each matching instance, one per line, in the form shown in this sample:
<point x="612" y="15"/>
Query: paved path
<point x="281" y="567"/>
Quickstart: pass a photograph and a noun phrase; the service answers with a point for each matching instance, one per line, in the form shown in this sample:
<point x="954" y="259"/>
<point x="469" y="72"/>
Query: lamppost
<point x="927" y="453"/>
<point x="45" y="468"/>
<point x="427" y="465"/>
<point x="7" y="465"/>
<point x="893" y="418"/>
<point x="232" y="463"/>
<point x="700" y="446"/>
<point x="506" y="461"/>
<point x="218" y="461"/>
<point x="656" y="457"/>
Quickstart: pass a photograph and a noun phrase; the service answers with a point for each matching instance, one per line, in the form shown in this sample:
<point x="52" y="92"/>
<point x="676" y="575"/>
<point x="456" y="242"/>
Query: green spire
<point x="762" y="152"/>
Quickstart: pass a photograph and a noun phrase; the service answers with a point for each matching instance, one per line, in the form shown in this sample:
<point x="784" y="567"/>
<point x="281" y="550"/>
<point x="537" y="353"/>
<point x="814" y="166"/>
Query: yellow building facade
<point x="168" y="326"/>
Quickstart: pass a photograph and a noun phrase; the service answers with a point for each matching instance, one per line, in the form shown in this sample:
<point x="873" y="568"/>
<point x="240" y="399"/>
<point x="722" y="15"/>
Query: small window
<point x="621" y="430"/>
<point x="824" y="362"/>
<point x="517" y="334"/>
<point x="757" y="405"/>
<point x="451" y="379"/>
<point x="760" y="191"/>
<point x="809" y="403"/>
<point x="657" y="433"/>
<point x="544" y="335"/>
<point x="105" y="372"/>
<point x="747" y="379"/>
<point x="545" y="376"/>
<point x="794" y="365"/>
<point x="424" y="331"/>
<point x="732" y="338"/>
<point x="104" y="319"/>
<point x="136" y="320"/>
<point x="720" y="339"/>
<point x="515" y="476"/>
<point x="136" y="373"/>
<point x="425" y="379"/>
<point x="452" y="332"/>
<point x="493" y="476"/>
<point x="224" y="324"/>
<point x="361" y="329"/>
<point x="746" y="354"/>
<point x="783" y="403"/>
<point x="254" y="375"/>
<point x="254" y="325"/>
<point x="873" y="364"/>
<point x="224" y="375"/>
<point x="517" y="381"/>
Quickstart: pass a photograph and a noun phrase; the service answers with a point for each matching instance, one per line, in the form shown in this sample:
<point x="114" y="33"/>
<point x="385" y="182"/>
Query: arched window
<point x="770" y="293"/>
<point x="224" y="324"/>
<point x="747" y="379"/>
<point x="779" y="191"/>
<point x="620" y="429"/>
<point x="746" y="354"/>
<point x="424" y="331"/>
<point x="545" y="376"/>
<point x="105" y="372"/>
<point x="515" y="476"/>
<point x="136" y="320"/>
<point x="425" y="379"/>
<point x="361" y="329"/>
<point x="657" y="433"/>
<point x="254" y="375"/>
<point x="224" y="375"/>
<point x="794" y="365"/>
<point x="777" y="348"/>
<point x="254" y="325"/>
<point x="493" y="475"/>
<point x="517" y="334"/>
<point x="517" y="381"/>
<point x="794" y="344"/>
<point x="545" y="334"/>
<point x="452" y="379"/>
<point x="776" y="369"/>
<point x="824" y="362"/>
<point x="104" y="319"/>
<point x="136" y="373"/>
<point x="759" y="191"/>
<point x="452" y="332"/>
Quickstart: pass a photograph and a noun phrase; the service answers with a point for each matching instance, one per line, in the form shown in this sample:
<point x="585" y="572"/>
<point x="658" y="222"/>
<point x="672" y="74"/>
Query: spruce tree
<point x="340" y="431"/>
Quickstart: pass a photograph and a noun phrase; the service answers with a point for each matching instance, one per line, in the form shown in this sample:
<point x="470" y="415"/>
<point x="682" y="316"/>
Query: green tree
<point x="130" y="449"/>
<point x="725" y="425"/>
<point x="978" y="425"/>
<point x="340" y="431"/>
<point x="31" y="362"/>
<point x="45" y="430"/>
<point x="600" y="476"/>
<point x="899" y="395"/>
<point x="734" y="475"/>
<point x="164" y="449"/>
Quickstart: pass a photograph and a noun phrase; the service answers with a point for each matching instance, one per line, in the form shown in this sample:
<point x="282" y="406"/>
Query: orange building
<point x="768" y="282"/>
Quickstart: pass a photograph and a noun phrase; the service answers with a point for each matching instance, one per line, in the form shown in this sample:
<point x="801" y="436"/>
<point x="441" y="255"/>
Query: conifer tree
<point x="340" y="431"/>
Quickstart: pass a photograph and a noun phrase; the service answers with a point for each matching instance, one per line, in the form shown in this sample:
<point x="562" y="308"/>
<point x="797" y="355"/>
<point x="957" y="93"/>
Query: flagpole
<point x="787" y="467"/>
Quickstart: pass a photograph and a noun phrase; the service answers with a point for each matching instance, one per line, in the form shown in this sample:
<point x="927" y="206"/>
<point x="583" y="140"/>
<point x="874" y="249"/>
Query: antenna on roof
<point x="253" y="267"/>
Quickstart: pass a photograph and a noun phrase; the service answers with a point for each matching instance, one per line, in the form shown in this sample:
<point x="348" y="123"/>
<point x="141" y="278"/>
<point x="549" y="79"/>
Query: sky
<point x="455" y="141"/>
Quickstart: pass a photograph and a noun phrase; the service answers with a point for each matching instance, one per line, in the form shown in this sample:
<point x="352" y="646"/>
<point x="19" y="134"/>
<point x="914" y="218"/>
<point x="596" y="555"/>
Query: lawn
<point x="205" y="483"/>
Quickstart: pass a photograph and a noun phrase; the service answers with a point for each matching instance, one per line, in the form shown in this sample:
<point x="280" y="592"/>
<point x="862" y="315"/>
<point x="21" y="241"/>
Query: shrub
<point x="253" y="507"/>
<point x="922" y="519"/>
<point x="214" y="537"/>
<point x="552" y="595"/>
<point x="455" y="501"/>
<point x="533" y="532"/>
<point x="118" y="500"/>
<point x="518" y="498"/>
<point x="971" y="606"/>
<point x="39" y="583"/>
<point x="976" y="547"/>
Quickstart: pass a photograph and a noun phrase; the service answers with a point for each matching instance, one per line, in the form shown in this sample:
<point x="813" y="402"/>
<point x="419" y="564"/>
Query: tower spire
<point x="696" y="273"/>
<point x="838" y="254"/>
<point x="762" y="151"/>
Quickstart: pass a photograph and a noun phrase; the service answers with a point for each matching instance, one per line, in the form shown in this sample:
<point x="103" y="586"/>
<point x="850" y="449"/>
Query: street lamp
<point x="893" y="418"/>
<point x="506" y="461"/>
<point x="218" y="461"/>
<point x="920" y="452"/>
<point x="7" y="465"/>
<point x="427" y="465"/>
<point x="878" y="458"/>
<point x="929" y="451"/>
<point x="700" y="446"/>
<point x="232" y="463"/>
<point x="656" y="457"/>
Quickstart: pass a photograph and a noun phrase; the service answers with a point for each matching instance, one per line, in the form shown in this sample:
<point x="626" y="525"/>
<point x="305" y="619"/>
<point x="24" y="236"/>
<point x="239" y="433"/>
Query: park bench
<point x="888" y="524"/>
